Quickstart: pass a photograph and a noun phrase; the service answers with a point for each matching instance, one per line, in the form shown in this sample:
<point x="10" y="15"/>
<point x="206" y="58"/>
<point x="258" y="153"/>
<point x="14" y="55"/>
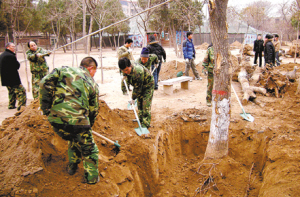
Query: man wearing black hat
<point x="269" y="51"/>
<point x="155" y="48"/>
<point x="258" y="49"/>
<point x="147" y="59"/>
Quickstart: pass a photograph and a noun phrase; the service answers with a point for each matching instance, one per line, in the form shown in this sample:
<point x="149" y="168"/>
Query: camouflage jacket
<point x="69" y="96"/>
<point x="209" y="59"/>
<point x="123" y="52"/>
<point x="153" y="59"/>
<point x="37" y="64"/>
<point x="140" y="78"/>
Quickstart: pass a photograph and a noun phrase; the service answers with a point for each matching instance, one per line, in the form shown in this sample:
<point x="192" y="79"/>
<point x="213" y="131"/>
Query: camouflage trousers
<point x="16" y="92"/>
<point x="36" y="79"/>
<point x="191" y="64"/>
<point x="82" y="145"/>
<point x="144" y="102"/>
<point x="210" y="84"/>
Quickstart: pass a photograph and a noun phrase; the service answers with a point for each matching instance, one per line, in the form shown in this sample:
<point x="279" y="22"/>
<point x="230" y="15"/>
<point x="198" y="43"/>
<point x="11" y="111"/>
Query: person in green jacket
<point x="143" y="87"/>
<point x="125" y="51"/>
<point x="147" y="59"/>
<point x="38" y="65"/>
<point x="69" y="97"/>
<point x="209" y="64"/>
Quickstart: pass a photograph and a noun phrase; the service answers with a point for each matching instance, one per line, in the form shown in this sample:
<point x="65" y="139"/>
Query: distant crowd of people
<point x="270" y="46"/>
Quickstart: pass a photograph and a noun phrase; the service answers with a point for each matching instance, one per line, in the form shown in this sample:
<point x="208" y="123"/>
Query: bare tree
<point x="71" y="13"/>
<point x="218" y="137"/>
<point x="284" y="26"/>
<point x="256" y="14"/>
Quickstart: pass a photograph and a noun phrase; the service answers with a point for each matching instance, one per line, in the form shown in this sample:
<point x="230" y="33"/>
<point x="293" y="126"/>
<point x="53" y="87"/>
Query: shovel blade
<point x="129" y="107"/>
<point x="247" y="116"/>
<point x="141" y="131"/>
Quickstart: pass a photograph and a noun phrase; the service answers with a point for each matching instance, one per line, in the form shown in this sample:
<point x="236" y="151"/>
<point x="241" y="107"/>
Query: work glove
<point x="131" y="102"/>
<point x="156" y="65"/>
<point x="39" y="55"/>
<point x="124" y="78"/>
<point x="187" y="60"/>
<point x="129" y="50"/>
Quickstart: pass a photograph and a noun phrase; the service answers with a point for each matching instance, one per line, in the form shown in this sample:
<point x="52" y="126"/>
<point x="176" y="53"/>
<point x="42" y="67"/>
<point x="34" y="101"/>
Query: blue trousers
<point x="156" y="74"/>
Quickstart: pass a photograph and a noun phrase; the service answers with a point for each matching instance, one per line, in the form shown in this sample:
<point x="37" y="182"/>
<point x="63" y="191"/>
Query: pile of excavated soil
<point x="202" y="46"/>
<point x="169" y="70"/>
<point x="263" y="155"/>
<point x="236" y="45"/>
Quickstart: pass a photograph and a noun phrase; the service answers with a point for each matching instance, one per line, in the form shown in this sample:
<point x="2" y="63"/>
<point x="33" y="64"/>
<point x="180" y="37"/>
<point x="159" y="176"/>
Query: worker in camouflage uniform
<point x="147" y="59"/>
<point x="10" y="77"/>
<point x="143" y="87"/>
<point x="125" y="51"/>
<point x="69" y="97"/>
<point x="38" y="66"/>
<point x="208" y="64"/>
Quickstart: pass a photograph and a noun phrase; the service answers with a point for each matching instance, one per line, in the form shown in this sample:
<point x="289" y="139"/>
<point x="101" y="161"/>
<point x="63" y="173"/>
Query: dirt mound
<point x="202" y="46"/>
<point x="236" y="45"/>
<point x="169" y="69"/>
<point x="263" y="156"/>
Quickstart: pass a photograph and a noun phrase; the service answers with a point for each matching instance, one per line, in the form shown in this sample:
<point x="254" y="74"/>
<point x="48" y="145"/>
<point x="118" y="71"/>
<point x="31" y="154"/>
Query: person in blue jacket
<point x="189" y="54"/>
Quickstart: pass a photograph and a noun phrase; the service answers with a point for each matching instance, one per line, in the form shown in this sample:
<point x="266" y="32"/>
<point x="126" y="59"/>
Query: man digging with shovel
<point x="143" y="87"/>
<point x="69" y="97"/>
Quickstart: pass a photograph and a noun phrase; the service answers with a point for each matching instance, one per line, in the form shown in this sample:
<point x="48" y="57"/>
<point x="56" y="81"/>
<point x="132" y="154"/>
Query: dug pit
<point x="169" y="162"/>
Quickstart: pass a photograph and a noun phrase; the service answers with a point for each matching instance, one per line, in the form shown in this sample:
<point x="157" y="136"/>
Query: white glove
<point x="49" y="52"/>
<point x="186" y="60"/>
<point x="39" y="55"/>
<point x="129" y="50"/>
<point x="131" y="102"/>
<point x="156" y="65"/>
<point x="124" y="78"/>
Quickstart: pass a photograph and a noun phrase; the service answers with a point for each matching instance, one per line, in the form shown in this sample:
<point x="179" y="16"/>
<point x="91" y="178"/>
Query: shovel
<point x="140" y="131"/>
<point x="153" y="70"/>
<point x="110" y="141"/>
<point x="245" y="115"/>
<point x="130" y="107"/>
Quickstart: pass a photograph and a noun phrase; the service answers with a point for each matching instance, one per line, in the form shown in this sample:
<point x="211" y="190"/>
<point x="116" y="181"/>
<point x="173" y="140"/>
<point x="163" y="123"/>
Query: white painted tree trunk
<point x="217" y="146"/>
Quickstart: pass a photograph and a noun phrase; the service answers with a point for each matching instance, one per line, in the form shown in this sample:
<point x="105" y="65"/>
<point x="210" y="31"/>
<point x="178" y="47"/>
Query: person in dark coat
<point x="10" y="78"/>
<point x="155" y="48"/>
<point x="258" y="49"/>
<point x="269" y="51"/>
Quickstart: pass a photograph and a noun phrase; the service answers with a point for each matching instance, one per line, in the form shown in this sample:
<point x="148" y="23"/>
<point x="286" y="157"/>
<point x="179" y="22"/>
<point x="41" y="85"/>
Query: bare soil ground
<point x="263" y="155"/>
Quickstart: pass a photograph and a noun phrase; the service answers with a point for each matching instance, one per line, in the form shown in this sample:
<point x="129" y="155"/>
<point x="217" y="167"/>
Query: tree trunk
<point x="84" y="26"/>
<point x="247" y="89"/>
<point x="89" y="38"/>
<point x="101" y="63"/>
<point x="218" y="137"/>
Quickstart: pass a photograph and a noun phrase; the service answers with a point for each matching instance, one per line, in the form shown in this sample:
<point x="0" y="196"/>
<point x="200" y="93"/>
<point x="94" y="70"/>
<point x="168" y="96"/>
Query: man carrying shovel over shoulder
<point x="69" y="97"/>
<point x="143" y="87"/>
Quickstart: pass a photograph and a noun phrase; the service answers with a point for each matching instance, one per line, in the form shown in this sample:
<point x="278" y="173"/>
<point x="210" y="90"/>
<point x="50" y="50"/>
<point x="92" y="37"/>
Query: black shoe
<point x="91" y="183"/>
<point x="156" y="88"/>
<point x="72" y="168"/>
<point x="12" y="107"/>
